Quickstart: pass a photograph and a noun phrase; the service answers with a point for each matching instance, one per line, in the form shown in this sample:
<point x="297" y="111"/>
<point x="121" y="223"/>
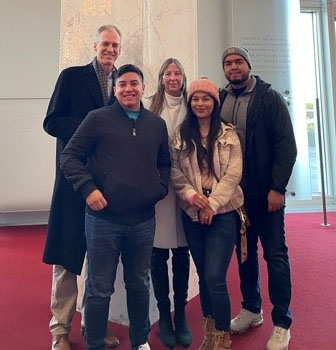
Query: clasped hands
<point x="205" y="213"/>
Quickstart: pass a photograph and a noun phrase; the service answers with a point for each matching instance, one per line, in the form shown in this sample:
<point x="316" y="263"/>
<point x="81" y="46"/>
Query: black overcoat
<point x="76" y="93"/>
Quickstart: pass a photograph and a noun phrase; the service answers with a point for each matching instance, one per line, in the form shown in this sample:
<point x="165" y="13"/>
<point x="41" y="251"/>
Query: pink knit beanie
<point x="203" y="84"/>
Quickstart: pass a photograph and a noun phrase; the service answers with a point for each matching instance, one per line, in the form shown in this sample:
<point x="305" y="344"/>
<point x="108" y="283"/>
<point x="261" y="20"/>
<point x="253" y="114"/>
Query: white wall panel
<point x="29" y="38"/>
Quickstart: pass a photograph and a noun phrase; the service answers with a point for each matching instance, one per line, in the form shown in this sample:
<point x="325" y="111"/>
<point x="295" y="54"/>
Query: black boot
<point x="159" y="273"/>
<point x="166" y="333"/>
<point x="181" y="263"/>
<point x="182" y="332"/>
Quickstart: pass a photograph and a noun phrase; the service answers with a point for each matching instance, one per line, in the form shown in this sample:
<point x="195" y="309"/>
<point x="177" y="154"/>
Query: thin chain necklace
<point x="204" y="135"/>
<point x="204" y="140"/>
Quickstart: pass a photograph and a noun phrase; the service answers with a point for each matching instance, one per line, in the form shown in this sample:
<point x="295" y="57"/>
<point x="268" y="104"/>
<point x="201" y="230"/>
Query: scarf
<point x="102" y="79"/>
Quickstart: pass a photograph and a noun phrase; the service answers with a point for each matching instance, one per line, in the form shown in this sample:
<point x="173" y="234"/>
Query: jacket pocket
<point x="150" y="192"/>
<point x="120" y="196"/>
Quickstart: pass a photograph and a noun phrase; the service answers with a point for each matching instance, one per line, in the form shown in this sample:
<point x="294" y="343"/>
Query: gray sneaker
<point x="279" y="339"/>
<point x="244" y="320"/>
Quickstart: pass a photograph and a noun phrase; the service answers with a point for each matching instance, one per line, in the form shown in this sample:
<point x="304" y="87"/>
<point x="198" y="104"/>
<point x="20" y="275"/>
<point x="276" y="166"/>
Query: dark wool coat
<point x="76" y="93"/>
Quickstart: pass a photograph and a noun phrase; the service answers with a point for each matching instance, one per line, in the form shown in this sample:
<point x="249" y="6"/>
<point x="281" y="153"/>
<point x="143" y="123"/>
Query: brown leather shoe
<point x="111" y="341"/>
<point x="60" y="342"/>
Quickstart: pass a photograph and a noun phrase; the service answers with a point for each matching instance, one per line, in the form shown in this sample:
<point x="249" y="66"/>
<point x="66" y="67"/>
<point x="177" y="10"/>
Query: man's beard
<point x="244" y="78"/>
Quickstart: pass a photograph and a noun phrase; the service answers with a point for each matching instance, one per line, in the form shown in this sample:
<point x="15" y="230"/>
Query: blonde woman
<point x="169" y="101"/>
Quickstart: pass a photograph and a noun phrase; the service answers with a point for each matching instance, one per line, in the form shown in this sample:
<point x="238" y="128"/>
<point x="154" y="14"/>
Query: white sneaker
<point x="279" y="339"/>
<point x="246" y="319"/>
<point x="144" y="347"/>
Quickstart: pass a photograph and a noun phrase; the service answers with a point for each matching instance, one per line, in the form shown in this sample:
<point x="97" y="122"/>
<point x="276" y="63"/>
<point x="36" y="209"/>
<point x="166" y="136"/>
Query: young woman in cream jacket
<point x="206" y="171"/>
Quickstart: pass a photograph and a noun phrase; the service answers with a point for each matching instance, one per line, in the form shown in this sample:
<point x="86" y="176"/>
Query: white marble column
<point x="152" y="30"/>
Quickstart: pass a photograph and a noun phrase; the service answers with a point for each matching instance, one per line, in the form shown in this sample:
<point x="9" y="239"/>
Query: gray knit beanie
<point x="235" y="50"/>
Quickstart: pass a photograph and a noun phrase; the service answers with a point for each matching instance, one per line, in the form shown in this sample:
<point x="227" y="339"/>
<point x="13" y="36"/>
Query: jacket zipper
<point x="134" y="164"/>
<point x="234" y="118"/>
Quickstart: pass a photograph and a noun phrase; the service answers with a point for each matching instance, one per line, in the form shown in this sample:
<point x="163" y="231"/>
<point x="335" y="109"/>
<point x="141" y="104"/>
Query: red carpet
<point x="25" y="292"/>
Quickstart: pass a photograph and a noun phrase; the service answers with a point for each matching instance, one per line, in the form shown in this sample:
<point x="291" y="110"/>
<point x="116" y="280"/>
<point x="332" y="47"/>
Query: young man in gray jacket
<point x="266" y="134"/>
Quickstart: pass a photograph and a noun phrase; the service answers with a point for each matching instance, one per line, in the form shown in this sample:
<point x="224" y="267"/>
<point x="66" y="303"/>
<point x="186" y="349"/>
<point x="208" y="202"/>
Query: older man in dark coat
<point x="78" y="91"/>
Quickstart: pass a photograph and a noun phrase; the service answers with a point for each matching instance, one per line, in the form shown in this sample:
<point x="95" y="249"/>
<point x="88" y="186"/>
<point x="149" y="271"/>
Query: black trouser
<point x="269" y="227"/>
<point x="159" y="274"/>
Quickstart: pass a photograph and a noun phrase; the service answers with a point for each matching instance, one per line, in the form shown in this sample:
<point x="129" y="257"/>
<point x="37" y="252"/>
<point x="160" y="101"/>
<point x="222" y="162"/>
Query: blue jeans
<point x="270" y="228"/>
<point x="211" y="248"/>
<point x="105" y="242"/>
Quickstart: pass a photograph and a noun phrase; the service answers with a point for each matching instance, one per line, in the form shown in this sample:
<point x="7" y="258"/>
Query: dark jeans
<point x="159" y="274"/>
<point x="270" y="228"/>
<point x="211" y="248"/>
<point x="105" y="242"/>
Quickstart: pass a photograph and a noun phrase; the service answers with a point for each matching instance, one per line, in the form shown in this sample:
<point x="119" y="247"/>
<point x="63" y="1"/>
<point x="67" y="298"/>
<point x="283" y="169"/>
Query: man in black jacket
<point x="118" y="160"/>
<point x="78" y="91"/>
<point x="265" y="130"/>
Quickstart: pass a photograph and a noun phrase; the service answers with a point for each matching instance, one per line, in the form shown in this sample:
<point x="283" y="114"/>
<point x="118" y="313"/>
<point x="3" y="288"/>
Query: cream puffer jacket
<point x="226" y="194"/>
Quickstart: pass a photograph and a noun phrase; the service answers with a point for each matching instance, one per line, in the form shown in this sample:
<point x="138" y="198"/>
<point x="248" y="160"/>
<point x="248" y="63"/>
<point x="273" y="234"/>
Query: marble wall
<point x="152" y="31"/>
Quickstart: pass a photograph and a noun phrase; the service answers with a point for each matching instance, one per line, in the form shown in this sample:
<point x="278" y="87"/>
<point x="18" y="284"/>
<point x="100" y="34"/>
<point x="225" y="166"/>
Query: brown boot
<point x="209" y="334"/>
<point x="60" y="342"/>
<point x="222" y="340"/>
<point x="111" y="341"/>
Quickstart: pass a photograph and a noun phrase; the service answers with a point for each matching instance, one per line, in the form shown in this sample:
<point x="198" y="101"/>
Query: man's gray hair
<point x="108" y="27"/>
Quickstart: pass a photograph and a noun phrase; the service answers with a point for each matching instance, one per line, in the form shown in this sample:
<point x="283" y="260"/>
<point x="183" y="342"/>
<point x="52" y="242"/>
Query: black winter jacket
<point x="270" y="144"/>
<point x="127" y="160"/>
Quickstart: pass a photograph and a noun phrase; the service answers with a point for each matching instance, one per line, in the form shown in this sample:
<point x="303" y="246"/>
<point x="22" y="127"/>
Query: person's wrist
<point x="192" y="198"/>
